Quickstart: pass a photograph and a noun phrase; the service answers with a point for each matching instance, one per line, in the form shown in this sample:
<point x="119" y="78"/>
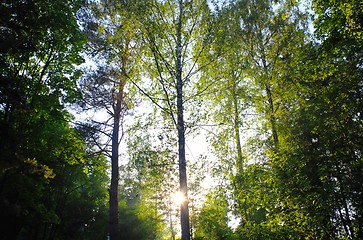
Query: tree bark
<point x="272" y="116"/>
<point x="237" y="131"/>
<point x="113" y="218"/>
<point x="184" y="209"/>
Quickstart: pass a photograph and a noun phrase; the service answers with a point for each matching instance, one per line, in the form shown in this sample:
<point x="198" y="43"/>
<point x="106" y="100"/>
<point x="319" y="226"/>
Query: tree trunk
<point x="237" y="133"/>
<point x="114" y="222"/>
<point x="272" y="116"/>
<point x="184" y="210"/>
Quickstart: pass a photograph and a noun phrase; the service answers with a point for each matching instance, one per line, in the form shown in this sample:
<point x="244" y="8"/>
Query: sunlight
<point x="178" y="198"/>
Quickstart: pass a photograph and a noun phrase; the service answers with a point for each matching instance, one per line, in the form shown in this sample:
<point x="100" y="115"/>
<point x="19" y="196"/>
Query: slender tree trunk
<point x="114" y="222"/>
<point x="237" y="134"/>
<point x="271" y="106"/>
<point x="272" y="117"/>
<point x="343" y="203"/>
<point x="184" y="210"/>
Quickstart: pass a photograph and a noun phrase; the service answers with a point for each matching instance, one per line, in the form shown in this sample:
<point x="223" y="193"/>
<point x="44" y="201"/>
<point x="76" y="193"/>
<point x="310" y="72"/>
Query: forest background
<point x="102" y="105"/>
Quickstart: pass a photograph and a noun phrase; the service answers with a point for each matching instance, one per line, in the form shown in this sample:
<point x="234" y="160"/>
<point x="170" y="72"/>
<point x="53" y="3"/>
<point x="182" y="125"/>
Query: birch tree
<point x="176" y="33"/>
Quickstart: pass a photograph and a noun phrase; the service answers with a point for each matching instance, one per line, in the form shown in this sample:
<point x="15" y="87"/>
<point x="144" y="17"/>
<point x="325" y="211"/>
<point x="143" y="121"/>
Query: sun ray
<point x="178" y="198"/>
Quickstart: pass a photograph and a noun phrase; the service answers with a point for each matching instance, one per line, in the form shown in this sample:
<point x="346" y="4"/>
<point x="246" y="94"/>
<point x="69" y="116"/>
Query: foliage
<point x="282" y="108"/>
<point x="139" y="220"/>
<point x="212" y="222"/>
<point x="143" y="182"/>
<point x="44" y="169"/>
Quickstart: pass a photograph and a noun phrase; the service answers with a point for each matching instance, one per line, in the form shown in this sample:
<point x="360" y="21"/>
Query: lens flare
<point x="178" y="198"/>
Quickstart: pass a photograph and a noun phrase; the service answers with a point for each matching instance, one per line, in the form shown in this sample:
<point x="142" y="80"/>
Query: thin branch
<point x="163" y="84"/>
<point x="147" y="95"/>
<point x="91" y="127"/>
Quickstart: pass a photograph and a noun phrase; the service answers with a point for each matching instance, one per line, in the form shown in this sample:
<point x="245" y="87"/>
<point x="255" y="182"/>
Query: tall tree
<point x="171" y="32"/>
<point x="40" y="47"/>
<point x="321" y="151"/>
<point x="115" y="47"/>
<point x="271" y="33"/>
<point x="255" y="51"/>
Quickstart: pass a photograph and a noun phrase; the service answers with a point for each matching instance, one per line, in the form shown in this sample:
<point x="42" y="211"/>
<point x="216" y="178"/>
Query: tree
<point x="37" y="65"/>
<point x="115" y="48"/>
<point x="40" y="48"/>
<point x="313" y="164"/>
<point x="49" y="179"/>
<point x="171" y="31"/>
<point x="256" y="51"/>
<point x="325" y="162"/>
